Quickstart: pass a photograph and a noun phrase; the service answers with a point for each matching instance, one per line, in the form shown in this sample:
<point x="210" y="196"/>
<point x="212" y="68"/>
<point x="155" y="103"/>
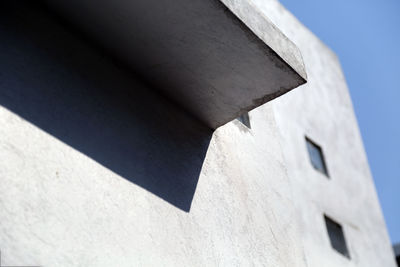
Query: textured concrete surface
<point x="322" y="110"/>
<point x="61" y="208"/>
<point x="97" y="170"/>
<point x="198" y="53"/>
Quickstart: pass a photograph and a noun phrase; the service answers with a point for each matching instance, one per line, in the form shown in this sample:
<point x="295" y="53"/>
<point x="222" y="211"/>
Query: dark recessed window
<point x="316" y="156"/>
<point x="244" y="118"/>
<point x="336" y="236"/>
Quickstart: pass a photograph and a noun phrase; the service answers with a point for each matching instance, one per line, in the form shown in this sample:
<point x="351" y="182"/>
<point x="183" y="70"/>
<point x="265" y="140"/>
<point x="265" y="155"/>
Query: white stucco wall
<point x="97" y="170"/>
<point x="61" y="208"/>
<point x="322" y="110"/>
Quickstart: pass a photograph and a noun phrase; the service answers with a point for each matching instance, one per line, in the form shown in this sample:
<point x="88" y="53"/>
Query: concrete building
<point x="119" y="147"/>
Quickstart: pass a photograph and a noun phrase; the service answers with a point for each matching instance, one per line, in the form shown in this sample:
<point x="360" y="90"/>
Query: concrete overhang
<point x="217" y="59"/>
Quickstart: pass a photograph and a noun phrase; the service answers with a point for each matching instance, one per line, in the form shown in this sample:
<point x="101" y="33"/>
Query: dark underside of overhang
<point x="197" y="53"/>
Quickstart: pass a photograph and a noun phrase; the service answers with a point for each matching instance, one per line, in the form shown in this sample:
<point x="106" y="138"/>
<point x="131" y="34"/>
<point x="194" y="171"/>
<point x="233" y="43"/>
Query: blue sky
<point x="365" y="34"/>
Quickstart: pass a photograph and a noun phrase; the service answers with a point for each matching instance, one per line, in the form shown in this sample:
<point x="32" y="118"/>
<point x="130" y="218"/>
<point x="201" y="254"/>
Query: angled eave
<point x="215" y="59"/>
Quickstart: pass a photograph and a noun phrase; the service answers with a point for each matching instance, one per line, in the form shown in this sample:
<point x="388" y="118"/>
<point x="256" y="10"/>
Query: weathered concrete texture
<point x="197" y="53"/>
<point x="322" y="110"/>
<point x="61" y="208"/>
<point x="97" y="170"/>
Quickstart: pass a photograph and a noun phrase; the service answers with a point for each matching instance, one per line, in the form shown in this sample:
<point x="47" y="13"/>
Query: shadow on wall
<point x="56" y="81"/>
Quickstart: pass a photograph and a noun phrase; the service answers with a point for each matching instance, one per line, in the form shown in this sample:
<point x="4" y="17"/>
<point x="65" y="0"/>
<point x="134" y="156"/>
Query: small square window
<point x="244" y="119"/>
<point x="316" y="157"/>
<point x="336" y="237"/>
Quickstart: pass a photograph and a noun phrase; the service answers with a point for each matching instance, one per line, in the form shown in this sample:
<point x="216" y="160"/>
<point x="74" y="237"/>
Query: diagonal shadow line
<point x="67" y="88"/>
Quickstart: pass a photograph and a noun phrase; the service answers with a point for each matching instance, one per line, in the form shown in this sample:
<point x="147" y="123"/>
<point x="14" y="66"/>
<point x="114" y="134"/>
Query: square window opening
<point x="245" y="120"/>
<point x="316" y="157"/>
<point x="336" y="237"/>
